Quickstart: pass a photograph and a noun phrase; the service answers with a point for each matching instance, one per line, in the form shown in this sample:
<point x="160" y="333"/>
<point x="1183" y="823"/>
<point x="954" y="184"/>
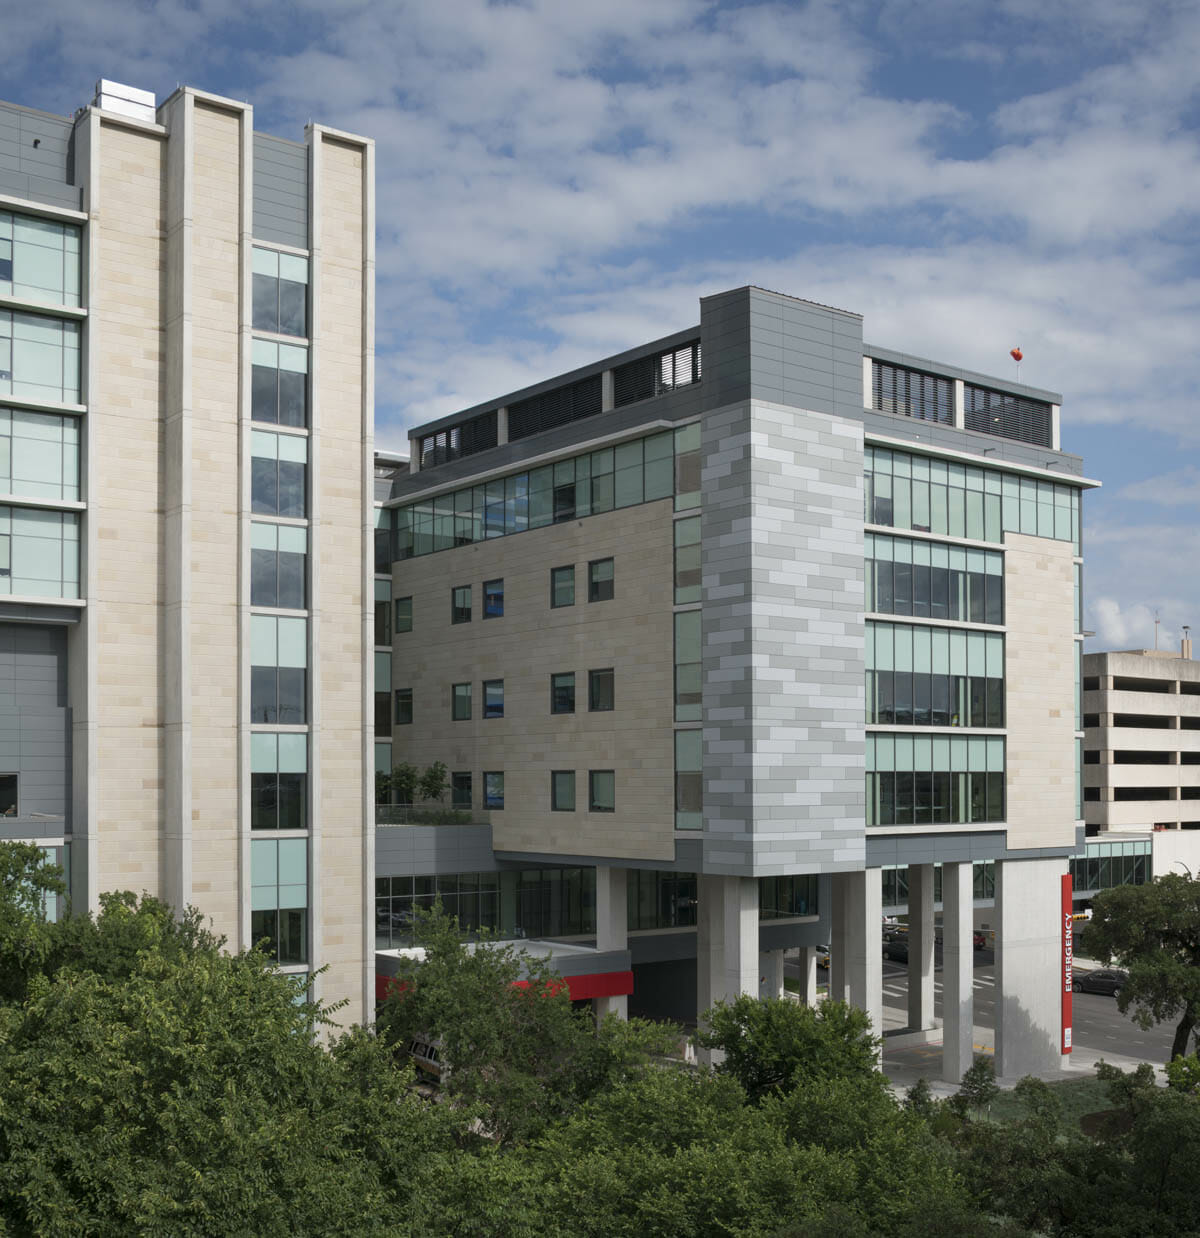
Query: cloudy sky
<point x="561" y="179"/>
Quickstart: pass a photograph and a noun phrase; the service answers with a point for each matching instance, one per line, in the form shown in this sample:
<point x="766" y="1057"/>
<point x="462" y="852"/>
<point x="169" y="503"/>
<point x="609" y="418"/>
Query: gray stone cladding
<point x="782" y="533"/>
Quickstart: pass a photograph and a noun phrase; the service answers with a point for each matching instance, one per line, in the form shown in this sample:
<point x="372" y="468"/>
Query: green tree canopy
<point x="27" y="938"/>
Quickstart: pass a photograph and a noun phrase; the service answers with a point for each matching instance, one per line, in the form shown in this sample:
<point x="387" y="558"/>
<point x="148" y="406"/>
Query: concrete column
<point x="958" y="978"/>
<point x="808" y="975"/>
<point x="864" y="933"/>
<point x="1028" y="967"/>
<point x="726" y="940"/>
<point x="502" y="425"/>
<point x="770" y="974"/>
<point x="612" y="931"/>
<point x="960" y="404"/>
<point x="607" y="401"/>
<point x="920" y="947"/>
<point x="839" y="951"/>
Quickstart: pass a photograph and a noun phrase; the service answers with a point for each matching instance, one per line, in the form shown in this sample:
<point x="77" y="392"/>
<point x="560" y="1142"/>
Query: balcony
<point x="429" y="814"/>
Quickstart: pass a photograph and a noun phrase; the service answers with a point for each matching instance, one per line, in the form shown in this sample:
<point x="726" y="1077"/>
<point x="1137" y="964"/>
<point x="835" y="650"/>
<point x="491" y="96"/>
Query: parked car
<point x="1103" y="980"/>
<point x="896" y="949"/>
<point x="823" y="957"/>
<point x="980" y="940"/>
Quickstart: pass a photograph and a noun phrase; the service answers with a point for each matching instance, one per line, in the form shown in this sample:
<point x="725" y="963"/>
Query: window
<point x="278" y="473"/>
<point x="493" y="599"/>
<point x="403" y="615"/>
<point x="39" y="454"/>
<point x="932" y="580"/>
<point x="687" y="560"/>
<point x="383" y="612"/>
<point x="8" y="795"/>
<point x="280" y="292"/>
<point x="39" y="553"/>
<point x="278" y="782"/>
<point x="493" y="789"/>
<point x="689" y="779"/>
<point x="383" y="700"/>
<point x="689" y="690"/>
<point x="39" y="358"/>
<point x="278" y="555"/>
<point x="600" y="690"/>
<point x="460" y="789"/>
<point x="39" y="259"/>
<point x="600" y="580"/>
<point x="562" y="790"/>
<point x="279" y="897"/>
<point x="562" y="586"/>
<point x="493" y="698"/>
<point x="278" y="670"/>
<point x="279" y="384"/>
<point x="460" y="707"/>
<point x="460" y="604"/>
<point x="934" y="779"/>
<point x="404" y="706"/>
<point x="601" y="790"/>
<point x="562" y="693"/>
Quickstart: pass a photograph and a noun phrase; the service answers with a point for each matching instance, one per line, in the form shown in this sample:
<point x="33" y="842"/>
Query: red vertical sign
<point x="1068" y="959"/>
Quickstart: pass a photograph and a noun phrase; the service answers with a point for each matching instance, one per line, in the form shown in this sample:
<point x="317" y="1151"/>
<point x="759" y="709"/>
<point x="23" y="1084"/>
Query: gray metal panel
<point x="886" y="850"/>
<point x="429" y="850"/>
<point x="969" y="376"/>
<point x="21" y="612"/>
<point x="280" y="191"/>
<point x="41" y="172"/>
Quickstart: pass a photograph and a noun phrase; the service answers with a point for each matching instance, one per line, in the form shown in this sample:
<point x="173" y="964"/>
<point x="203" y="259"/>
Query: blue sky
<point x="557" y="181"/>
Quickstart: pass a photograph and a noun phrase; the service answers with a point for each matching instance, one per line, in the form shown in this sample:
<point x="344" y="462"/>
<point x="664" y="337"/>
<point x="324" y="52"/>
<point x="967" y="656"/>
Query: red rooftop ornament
<point x="1017" y="355"/>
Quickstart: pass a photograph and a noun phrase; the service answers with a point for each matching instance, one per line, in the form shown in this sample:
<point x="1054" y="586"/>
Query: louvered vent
<point x="553" y="408"/>
<point x="465" y="439"/>
<point x="1007" y="416"/>
<point x="911" y="393"/>
<point x="651" y="376"/>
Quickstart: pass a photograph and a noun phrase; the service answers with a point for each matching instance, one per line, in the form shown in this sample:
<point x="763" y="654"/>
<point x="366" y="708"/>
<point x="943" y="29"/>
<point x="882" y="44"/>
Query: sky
<point x="557" y="181"/>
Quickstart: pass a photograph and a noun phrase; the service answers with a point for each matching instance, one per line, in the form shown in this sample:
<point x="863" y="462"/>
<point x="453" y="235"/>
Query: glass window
<point x="600" y="580"/>
<point x="687" y="560"/>
<point x="39" y="454"/>
<point x="689" y="778"/>
<point x="280" y="292"/>
<point x="279" y="897"/>
<point x="602" y="790"/>
<point x="562" y="790"/>
<point x="279" y="383"/>
<point x="493" y="599"/>
<point x="39" y="259"/>
<point x="278" y="670"/>
<point x="460" y="604"/>
<point x="493" y="789"/>
<point x="278" y="560"/>
<point x="39" y="553"/>
<point x="493" y="698"/>
<point x="404" y="706"/>
<point x="279" y="473"/>
<point x="601" y="690"/>
<point x="687" y="467"/>
<point x="402" y="612"/>
<point x="460" y="708"/>
<point x="39" y="358"/>
<point x="562" y="693"/>
<point x="562" y="586"/>
<point x="688" y="667"/>
<point x="383" y="699"/>
<point x="460" y="789"/>
<point x="278" y="782"/>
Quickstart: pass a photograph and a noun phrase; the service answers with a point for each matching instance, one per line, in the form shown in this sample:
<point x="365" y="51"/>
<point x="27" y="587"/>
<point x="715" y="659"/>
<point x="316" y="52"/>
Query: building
<point x="186" y="334"/>
<point x="711" y="635"/>
<point x="1141" y="766"/>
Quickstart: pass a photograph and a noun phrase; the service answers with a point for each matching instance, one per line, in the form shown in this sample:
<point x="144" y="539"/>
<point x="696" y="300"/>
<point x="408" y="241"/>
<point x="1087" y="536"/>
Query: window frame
<point x="592" y="798"/>
<point x="553" y="703"/>
<point x="595" y="587"/>
<point x="555" y="604"/>
<point x="455" y="716"/>
<point x="555" y="805"/>
<point x="485" y="686"/>
<point x="593" y="708"/>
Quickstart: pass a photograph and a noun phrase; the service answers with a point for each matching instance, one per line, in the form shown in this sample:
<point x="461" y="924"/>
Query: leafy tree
<point x="978" y="1087"/>
<point x="383" y="786"/>
<point x="1183" y="1074"/>
<point x="1153" y="932"/>
<point x="772" y="1044"/>
<point x="26" y="936"/>
<point x="434" y="782"/>
<point x="406" y="778"/>
<point x="515" y="1051"/>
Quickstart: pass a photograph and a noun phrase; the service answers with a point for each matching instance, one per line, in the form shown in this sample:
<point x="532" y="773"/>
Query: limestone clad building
<point x="186" y="334"/>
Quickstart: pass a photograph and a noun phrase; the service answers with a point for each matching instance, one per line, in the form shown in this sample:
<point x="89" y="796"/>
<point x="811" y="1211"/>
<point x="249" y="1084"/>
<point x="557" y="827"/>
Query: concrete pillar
<point x="501" y="425"/>
<point x="839" y="952"/>
<point x="607" y="398"/>
<point x="808" y="975"/>
<point x="770" y="974"/>
<point x="1028" y="967"/>
<point x="864" y="933"/>
<point x="958" y="975"/>
<point x="612" y="931"/>
<point x="726" y="940"/>
<point x="920" y="947"/>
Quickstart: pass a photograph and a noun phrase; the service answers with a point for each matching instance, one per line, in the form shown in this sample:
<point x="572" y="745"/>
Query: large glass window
<point x="493" y="599"/>
<point x="934" y="676"/>
<point x="688" y="667"/>
<point x="383" y="612"/>
<point x="278" y="782"/>
<point x="933" y="580"/>
<point x="279" y="385"/>
<point x="493" y="698"/>
<point x="687" y="560"/>
<point x="279" y="474"/>
<point x="39" y="259"/>
<point x="687" y="467"/>
<point x="39" y="454"/>
<point x="278" y="670"/>
<point x="785" y="898"/>
<point x="689" y="780"/>
<point x="602" y="790"/>
<point x="383" y="698"/>
<point x="279" y="897"/>
<point x="562" y="790"/>
<point x="460" y="604"/>
<point x="280" y="292"/>
<point x="460" y="702"/>
<point x="39" y="553"/>
<point x="404" y="614"/>
<point x="601" y="695"/>
<point x="600" y="580"/>
<point x="460" y="789"/>
<point x="562" y="586"/>
<point x="562" y="692"/>
<point x="934" y="779"/>
<point x="404" y="706"/>
<point x="493" y="789"/>
<point x="278" y="559"/>
<point x="39" y="358"/>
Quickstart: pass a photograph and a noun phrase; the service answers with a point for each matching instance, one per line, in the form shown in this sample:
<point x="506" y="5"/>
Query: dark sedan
<point x="1104" y="980"/>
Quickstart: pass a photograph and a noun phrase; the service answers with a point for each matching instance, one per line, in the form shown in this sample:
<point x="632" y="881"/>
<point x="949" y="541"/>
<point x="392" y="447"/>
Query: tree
<point x="978" y="1087"/>
<point x="405" y="780"/>
<point x="434" y="782"/>
<point x="383" y="786"/>
<point x="771" y="1044"/>
<point x="1153" y="932"/>
<point x="27" y="878"/>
